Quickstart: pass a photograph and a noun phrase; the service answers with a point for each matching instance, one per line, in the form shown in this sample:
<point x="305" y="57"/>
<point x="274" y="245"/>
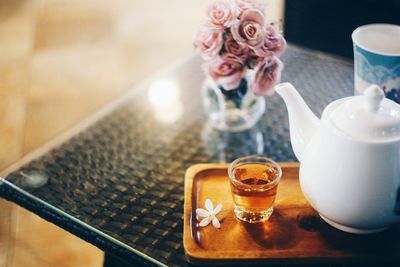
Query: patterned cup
<point x="377" y="58"/>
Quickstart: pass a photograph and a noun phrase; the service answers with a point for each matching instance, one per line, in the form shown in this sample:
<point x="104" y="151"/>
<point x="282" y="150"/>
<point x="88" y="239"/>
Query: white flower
<point x="209" y="215"/>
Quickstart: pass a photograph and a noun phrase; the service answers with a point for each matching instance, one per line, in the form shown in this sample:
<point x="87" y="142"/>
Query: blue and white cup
<point x="377" y="58"/>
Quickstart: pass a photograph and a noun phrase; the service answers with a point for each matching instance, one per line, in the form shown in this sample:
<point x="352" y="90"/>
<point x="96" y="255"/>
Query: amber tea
<point x="254" y="182"/>
<point x="254" y="174"/>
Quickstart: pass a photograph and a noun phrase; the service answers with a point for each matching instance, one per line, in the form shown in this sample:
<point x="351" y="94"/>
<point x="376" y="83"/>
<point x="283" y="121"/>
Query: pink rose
<point x="274" y="44"/>
<point x="226" y="71"/>
<point x="222" y="14"/>
<point x="249" y="4"/>
<point x="249" y="30"/>
<point x="267" y="75"/>
<point x="234" y="48"/>
<point x="208" y="42"/>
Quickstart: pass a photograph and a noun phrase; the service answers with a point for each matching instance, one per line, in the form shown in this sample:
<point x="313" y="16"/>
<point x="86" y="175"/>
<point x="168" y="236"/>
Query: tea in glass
<point x="254" y="183"/>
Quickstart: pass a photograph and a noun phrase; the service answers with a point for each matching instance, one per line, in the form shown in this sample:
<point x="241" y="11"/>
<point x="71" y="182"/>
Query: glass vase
<point x="231" y="110"/>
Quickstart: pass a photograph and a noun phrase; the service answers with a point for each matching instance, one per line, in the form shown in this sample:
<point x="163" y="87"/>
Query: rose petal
<point x="249" y="30"/>
<point x="206" y="221"/>
<point x="226" y="71"/>
<point x="202" y="212"/>
<point x="253" y="15"/>
<point x="208" y="42"/>
<point x="249" y="4"/>
<point x="235" y="49"/>
<point x="222" y="13"/>
<point x="216" y="223"/>
<point x="209" y="205"/>
<point x="218" y="209"/>
<point x="267" y="75"/>
<point x="273" y="45"/>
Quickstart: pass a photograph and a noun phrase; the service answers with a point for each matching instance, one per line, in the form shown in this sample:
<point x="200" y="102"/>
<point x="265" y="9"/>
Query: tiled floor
<point x="35" y="236"/>
<point x="7" y="230"/>
<point x="27" y="240"/>
<point x="61" y="60"/>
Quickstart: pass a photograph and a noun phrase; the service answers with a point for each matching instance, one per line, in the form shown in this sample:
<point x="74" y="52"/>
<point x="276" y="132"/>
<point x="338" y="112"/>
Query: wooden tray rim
<point x="191" y="172"/>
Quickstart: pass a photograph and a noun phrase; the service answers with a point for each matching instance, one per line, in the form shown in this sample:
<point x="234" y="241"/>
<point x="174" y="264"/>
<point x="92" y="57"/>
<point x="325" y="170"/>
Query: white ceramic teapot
<point x="350" y="158"/>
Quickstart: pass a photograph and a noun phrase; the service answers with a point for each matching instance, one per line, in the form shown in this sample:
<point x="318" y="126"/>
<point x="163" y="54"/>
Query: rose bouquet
<point x="237" y="39"/>
<point x="241" y="52"/>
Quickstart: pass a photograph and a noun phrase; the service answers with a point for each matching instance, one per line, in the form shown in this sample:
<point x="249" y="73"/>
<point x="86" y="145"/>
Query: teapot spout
<point x="303" y="123"/>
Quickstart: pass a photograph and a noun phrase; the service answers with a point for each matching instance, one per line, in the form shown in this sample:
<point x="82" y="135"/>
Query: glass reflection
<point x="164" y="97"/>
<point x="34" y="179"/>
<point x="226" y="146"/>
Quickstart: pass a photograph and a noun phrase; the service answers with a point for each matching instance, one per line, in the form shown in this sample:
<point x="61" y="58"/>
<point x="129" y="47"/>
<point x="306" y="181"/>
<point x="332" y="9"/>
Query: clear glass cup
<point x="254" y="182"/>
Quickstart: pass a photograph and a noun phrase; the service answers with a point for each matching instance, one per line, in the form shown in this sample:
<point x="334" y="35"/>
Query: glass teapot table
<point x="116" y="180"/>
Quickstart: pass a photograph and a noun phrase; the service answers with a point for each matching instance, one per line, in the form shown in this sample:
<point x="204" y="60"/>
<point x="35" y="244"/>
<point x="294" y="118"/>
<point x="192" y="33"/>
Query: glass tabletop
<point x="118" y="183"/>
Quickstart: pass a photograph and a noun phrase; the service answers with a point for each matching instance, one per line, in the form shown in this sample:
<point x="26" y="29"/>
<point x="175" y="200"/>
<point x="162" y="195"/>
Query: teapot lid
<point x="369" y="117"/>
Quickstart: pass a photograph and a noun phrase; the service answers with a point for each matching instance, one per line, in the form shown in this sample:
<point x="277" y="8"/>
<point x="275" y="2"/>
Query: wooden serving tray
<point x="294" y="233"/>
